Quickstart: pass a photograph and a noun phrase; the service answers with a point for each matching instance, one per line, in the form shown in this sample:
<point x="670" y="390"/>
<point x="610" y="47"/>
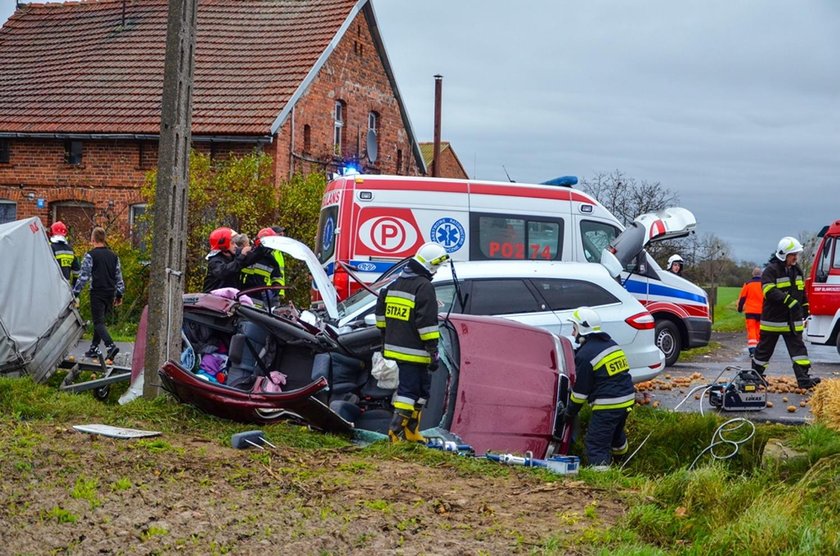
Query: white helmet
<point x="787" y="245"/>
<point x="587" y="321"/>
<point x="675" y="259"/>
<point x="431" y="255"/>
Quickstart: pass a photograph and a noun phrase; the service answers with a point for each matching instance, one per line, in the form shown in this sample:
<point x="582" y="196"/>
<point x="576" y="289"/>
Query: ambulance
<point x="369" y="222"/>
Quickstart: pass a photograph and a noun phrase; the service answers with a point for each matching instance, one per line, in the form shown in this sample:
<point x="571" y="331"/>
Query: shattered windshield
<point x="362" y="298"/>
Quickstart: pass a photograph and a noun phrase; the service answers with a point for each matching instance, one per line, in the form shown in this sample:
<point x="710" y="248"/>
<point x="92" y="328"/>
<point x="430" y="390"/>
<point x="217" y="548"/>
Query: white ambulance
<point x="372" y="221"/>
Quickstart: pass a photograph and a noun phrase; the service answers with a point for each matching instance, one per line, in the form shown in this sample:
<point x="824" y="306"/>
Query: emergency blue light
<point x="562" y="181"/>
<point x="350" y="170"/>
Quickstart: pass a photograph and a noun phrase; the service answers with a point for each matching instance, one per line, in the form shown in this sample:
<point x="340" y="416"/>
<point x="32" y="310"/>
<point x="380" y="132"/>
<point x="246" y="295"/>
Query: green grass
<point x="727" y="317"/>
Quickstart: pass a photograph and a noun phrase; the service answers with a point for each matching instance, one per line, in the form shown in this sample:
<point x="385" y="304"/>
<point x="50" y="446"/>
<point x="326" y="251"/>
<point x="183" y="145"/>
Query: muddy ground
<point x="74" y="493"/>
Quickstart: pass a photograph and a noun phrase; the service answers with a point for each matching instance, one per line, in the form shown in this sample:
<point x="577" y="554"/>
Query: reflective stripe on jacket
<point x="602" y="376"/>
<point x="785" y="303"/>
<point x="407" y="312"/>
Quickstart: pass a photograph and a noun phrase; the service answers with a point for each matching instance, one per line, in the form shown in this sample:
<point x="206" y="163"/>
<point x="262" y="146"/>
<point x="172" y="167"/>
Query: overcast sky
<point x="734" y="105"/>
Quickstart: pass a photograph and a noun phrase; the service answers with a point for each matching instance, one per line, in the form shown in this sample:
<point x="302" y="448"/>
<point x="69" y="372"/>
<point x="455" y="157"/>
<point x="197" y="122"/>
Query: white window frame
<point x="338" y="127"/>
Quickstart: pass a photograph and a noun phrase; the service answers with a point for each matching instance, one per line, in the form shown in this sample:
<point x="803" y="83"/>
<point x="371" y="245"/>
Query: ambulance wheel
<point x="668" y="340"/>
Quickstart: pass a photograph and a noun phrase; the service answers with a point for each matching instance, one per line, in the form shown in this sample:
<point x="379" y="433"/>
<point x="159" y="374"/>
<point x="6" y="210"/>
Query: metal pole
<point x="169" y="242"/>
<point x="438" y="95"/>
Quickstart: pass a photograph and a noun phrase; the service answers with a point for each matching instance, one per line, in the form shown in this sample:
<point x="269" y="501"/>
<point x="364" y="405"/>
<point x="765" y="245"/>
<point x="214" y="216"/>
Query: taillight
<point x="641" y="321"/>
<point x="341" y="281"/>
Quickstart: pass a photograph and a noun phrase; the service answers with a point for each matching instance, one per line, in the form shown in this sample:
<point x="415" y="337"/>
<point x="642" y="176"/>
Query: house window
<point x="338" y="129"/>
<point x="138" y="226"/>
<point x="73" y="152"/>
<point x="307" y="139"/>
<point x="5" y="151"/>
<point x="399" y="160"/>
<point x="8" y="211"/>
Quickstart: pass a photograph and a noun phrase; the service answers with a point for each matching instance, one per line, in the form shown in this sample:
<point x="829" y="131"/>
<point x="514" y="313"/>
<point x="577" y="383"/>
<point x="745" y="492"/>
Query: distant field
<point x="727" y="317"/>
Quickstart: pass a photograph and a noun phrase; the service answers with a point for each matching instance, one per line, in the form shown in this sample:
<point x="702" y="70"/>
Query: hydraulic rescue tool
<point x="563" y="465"/>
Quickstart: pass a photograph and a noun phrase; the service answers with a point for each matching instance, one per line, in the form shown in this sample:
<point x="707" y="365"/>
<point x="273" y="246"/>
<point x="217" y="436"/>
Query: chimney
<point x="436" y="152"/>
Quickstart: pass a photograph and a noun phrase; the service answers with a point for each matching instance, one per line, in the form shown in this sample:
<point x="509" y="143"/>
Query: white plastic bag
<point x="385" y="371"/>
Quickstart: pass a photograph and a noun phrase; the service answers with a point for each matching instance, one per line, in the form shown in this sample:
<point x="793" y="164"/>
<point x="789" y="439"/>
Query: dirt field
<point x="75" y="493"/>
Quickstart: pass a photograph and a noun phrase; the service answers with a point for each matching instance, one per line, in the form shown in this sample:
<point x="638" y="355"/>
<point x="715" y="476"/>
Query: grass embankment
<point x="738" y="505"/>
<point x="727" y="317"/>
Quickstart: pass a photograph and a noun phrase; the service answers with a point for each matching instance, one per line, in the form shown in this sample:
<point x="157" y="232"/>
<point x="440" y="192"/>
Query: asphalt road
<point x="825" y="362"/>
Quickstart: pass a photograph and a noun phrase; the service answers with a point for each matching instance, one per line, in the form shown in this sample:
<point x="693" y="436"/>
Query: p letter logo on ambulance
<point x="391" y="232"/>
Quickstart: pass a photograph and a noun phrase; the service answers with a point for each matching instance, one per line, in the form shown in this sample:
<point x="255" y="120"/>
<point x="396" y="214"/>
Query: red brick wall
<point x="449" y="167"/>
<point x="109" y="176"/>
<point x="353" y="73"/>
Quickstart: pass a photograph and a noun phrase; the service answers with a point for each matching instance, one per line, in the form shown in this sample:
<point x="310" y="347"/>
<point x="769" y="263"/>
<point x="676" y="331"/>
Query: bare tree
<point x="626" y="197"/>
<point x="809" y="241"/>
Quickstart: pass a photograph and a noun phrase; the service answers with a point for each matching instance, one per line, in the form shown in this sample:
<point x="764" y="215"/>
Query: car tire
<point x="838" y="342"/>
<point x="668" y="340"/>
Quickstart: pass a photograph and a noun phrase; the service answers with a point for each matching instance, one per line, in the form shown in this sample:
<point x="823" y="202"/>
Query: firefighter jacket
<point x="67" y="259"/>
<point x="785" y="303"/>
<point x="407" y="312"/>
<point x="751" y="299"/>
<point x="223" y="270"/>
<point x="602" y="376"/>
<point x="267" y="270"/>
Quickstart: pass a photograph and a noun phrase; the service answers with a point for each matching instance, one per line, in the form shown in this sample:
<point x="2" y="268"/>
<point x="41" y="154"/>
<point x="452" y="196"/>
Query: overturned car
<point x="502" y="385"/>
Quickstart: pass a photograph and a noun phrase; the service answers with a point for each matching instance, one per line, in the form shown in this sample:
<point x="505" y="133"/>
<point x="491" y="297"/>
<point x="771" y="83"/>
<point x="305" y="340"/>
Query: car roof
<point x="525" y="269"/>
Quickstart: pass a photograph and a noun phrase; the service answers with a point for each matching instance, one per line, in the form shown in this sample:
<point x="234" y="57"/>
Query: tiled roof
<point x="72" y="68"/>
<point x="428" y="150"/>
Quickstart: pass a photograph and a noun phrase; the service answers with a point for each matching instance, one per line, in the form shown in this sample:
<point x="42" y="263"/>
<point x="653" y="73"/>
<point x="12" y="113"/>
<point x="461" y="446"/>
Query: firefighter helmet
<point x="787" y="245"/>
<point x="431" y="255"/>
<point x="675" y="259"/>
<point x="265" y="232"/>
<point x="221" y="239"/>
<point x="586" y="320"/>
<point x="58" y="228"/>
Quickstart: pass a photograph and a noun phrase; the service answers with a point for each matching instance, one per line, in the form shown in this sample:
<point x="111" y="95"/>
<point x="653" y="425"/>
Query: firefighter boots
<point x="803" y="379"/>
<point x="412" y="428"/>
<point x="399" y="423"/>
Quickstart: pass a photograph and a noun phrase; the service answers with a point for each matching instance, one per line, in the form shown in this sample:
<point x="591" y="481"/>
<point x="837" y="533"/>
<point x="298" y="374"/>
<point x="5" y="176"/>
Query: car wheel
<point x="838" y="342"/>
<point x="668" y="340"/>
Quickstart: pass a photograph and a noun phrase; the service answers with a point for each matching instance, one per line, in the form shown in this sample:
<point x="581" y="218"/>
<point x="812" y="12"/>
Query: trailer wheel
<point x="101" y="394"/>
<point x="668" y="340"/>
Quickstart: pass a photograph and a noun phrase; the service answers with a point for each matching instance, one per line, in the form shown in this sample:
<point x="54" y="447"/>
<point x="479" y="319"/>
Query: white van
<point x="372" y="221"/>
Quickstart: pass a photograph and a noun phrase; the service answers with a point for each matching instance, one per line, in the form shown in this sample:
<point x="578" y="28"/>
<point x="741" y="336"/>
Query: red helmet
<point x="265" y="232"/>
<point x="58" y="228"/>
<point x="221" y="239"/>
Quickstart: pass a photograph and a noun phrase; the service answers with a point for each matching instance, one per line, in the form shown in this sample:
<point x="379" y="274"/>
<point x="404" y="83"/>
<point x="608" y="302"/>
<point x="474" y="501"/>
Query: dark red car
<point x="502" y="385"/>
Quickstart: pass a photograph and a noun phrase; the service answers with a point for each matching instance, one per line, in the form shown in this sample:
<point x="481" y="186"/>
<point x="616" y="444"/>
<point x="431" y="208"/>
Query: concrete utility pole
<point x="436" y="146"/>
<point x="169" y="244"/>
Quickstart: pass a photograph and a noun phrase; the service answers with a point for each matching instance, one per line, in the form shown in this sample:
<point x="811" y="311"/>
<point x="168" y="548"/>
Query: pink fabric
<point x="230" y="293"/>
<point x="274" y="381"/>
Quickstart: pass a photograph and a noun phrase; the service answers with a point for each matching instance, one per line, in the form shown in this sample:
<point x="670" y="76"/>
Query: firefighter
<point x="784" y="312"/>
<point x="63" y="252"/>
<point x="675" y="264"/>
<point x="602" y="378"/>
<point x="406" y="315"/>
<point x="749" y="303"/>
<point x="223" y="264"/>
<point x="265" y="270"/>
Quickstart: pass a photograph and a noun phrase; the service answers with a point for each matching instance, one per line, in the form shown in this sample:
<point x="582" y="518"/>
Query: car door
<point x="512" y="298"/>
<point x="564" y="295"/>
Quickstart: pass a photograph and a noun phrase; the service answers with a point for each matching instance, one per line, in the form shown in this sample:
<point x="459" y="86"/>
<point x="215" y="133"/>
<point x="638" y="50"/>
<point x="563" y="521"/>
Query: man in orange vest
<point x="749" y="303"/>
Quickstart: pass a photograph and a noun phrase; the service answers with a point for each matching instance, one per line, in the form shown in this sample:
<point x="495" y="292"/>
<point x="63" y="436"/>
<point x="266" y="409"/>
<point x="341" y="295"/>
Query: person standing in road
<point x="749" y="303"/>
<point x="406" y="315"/>
<point x="784" y="312"/>
<point x="101" y="267"/>
<point x="63" y="252"/>
<point x="223" y="264"/>
<point x="675" y="264"/>
<point x="602" y="378"/>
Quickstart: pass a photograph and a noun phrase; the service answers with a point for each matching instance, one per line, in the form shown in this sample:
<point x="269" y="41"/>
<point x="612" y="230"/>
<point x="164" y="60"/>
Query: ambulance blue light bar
<point x="562" y="181"/>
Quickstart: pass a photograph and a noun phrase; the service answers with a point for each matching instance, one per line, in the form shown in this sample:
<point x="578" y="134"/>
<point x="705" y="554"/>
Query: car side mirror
<point x="821" y="276"/>
<point x="611" y="263"/>
<point x="370" y="319"/>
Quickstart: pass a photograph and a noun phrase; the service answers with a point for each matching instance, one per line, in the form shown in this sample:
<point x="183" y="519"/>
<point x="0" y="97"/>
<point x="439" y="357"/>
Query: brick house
<point x="450" y="165"/>
<point x="306" y="81"/>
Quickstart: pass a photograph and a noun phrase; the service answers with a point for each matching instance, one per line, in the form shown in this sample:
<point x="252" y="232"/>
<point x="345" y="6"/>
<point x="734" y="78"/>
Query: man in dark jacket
<point x="63" y="252"/>
<point x="602" y="378"/>
<point x="784" y="312"/>
<point x="101" y="267"/>
<point x="406" y="315"/>
<point x="223" y="264"/>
